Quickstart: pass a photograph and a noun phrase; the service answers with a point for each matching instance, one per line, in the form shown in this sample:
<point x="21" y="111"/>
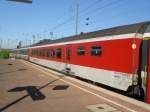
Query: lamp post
<point x="77" y="16"/>
<point x="23" y="1"/>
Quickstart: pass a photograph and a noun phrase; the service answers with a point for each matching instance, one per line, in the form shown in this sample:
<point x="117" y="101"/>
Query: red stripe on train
<point x="117" y="55"/>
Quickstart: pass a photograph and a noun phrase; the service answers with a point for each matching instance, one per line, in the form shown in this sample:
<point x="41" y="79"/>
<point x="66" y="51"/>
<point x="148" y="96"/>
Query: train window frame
<point x="81" y="51"/>
<point x="58" y="53"/>
<point x="96" y="51"/>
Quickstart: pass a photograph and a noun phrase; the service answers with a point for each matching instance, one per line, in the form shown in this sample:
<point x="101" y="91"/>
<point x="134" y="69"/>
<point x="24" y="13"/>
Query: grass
<point x="4" y="54"/>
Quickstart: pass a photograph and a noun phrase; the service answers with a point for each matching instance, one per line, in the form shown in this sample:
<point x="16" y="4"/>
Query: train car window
<point x="36" y="52"/>
<point x="58" y="53"/>
<point x="81" y="51"/>
<point x="52" y="53"/>
<point x="48" y="53"/>
<point x="33" y="52"/>
<point x="96" y="50"/>
<point x="44" y="52"/>
<point x="40" y="52"/>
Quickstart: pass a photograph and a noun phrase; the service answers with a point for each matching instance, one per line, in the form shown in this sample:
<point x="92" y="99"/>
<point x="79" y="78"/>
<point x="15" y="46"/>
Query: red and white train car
<point x="118" y="57"/>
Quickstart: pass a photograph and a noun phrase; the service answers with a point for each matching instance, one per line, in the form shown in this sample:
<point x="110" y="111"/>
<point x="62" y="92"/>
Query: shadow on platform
<point x="33" y="92"/>
<point x="61" y="87"/>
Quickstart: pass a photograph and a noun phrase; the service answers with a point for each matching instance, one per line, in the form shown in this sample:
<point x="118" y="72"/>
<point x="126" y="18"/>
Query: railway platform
<point x="26" y="87"/>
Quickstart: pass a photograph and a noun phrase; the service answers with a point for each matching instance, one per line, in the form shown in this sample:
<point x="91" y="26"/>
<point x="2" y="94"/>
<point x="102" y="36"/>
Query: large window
<point x="58" y="53"/>
<point x="81" y="51"/>
<point x="96" y="51"/>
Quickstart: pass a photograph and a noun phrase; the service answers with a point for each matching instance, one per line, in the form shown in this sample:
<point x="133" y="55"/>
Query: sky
<point x="30" y="23"/>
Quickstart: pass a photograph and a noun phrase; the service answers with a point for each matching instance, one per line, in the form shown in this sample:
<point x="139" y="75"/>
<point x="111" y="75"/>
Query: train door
<point x="68" y="57"/>
<point x="145" y="68"/>
<point x="148" y="74"/>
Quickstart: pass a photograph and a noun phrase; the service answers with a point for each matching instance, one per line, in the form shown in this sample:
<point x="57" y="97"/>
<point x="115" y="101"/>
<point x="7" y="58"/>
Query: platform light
<point x="23" y="1"/>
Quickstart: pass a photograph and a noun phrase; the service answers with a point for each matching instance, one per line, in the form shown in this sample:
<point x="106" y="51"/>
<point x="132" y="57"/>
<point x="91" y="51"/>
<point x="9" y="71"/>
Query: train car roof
<point x="119" y="30"/>
<point x="125" y="29"/>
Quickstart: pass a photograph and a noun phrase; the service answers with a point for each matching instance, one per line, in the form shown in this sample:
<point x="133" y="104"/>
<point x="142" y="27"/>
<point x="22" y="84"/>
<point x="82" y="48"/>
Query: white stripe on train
<point x="114" y="79"/>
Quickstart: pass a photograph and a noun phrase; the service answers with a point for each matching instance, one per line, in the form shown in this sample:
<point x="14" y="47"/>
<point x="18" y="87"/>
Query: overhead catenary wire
<point x="84" y="13"/>
<point x="96" y="10"/>
<point x="105" y="19"/>
<point x="87" y="13"/>
<point x="90" y="6"/>
<point x="72" y="17"/>
<point x="60" y="17"/>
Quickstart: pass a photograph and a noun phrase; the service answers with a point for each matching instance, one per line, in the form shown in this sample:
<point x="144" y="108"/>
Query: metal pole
<point x="0" y="44"/>
<point x="77" y="16"/>
<point x="51" y="33"/>
<point x="8" y="42"/>
<point x="33" y="39"/>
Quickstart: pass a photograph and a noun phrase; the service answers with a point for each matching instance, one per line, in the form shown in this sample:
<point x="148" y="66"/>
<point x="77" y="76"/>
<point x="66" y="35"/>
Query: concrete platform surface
<point x="26" y="87"/>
